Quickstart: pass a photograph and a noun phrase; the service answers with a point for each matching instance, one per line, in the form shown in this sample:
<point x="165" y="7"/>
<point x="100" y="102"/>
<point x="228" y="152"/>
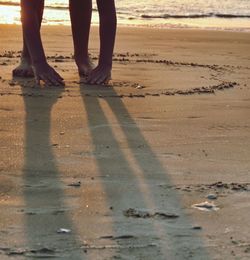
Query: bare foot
<point x="24" y="69"/>
<point x="43" y="71"/>
<point x="100" y="75"/>
<point x="85" y="67"/>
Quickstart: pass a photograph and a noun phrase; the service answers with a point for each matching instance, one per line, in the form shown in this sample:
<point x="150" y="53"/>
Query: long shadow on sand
<point x="45" y="208"/>
<point x="137" y="168"/>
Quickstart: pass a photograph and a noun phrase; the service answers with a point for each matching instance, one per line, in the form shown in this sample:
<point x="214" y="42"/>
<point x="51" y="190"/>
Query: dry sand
<point x="143" y="155"/>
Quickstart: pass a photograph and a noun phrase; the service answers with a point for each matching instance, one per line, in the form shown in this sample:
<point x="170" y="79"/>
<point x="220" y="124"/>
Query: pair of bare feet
<point x="94" y="75"/>
<point x="44" y="72"/>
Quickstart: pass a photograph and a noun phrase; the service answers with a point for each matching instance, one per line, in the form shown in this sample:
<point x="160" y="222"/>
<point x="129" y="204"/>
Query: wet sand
<point x="120" y="172"/>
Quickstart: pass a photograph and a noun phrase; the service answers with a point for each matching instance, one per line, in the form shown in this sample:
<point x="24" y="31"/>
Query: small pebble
<point x="197" y="227"/>
<point x="63" y="231"/>
<point x="75" y="184"/>
<point x="212" y="196"/>
<point x="12" y="84"/>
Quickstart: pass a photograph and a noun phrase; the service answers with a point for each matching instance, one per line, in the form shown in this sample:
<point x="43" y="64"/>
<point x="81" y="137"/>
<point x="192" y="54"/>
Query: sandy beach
<point x="124" y="171"/>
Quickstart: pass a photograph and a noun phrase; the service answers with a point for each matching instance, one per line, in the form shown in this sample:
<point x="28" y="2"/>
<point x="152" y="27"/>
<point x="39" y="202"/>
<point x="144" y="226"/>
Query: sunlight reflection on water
<point x="11" y="15"/>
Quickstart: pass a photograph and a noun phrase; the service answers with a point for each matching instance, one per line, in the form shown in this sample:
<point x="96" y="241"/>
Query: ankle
<point x="105" y="64"/>
<point x="82" y="59"/>
<point x="25" y="59"/>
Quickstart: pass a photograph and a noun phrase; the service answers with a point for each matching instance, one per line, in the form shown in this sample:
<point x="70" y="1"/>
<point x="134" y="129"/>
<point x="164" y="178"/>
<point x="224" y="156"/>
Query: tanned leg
<point x="80" y="14"/>
<point x="24" y="69"/>
<point x="31" y="23"/>
<point x="108" y="22"/>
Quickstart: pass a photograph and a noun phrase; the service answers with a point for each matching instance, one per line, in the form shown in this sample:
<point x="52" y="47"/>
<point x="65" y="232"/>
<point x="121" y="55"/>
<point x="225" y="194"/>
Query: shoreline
<point x="173" y="25"/>
<point x="156" y="27"/>
<point x="143" y="27"/>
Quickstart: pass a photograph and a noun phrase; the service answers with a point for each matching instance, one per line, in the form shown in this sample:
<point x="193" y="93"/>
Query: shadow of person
<point x="45" y="209"/>
<point x="136" y="173"/>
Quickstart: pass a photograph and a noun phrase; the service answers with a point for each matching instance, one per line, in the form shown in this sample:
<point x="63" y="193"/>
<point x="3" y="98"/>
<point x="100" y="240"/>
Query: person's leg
<point x="107" y="13"/>
<point x="80" y="14"/>
<point x="24" y="69"/>
<point x="31" y="13"/>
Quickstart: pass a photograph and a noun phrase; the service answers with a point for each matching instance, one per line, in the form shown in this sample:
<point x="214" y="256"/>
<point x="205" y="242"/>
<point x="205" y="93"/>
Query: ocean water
<point x="206" y="14"/>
